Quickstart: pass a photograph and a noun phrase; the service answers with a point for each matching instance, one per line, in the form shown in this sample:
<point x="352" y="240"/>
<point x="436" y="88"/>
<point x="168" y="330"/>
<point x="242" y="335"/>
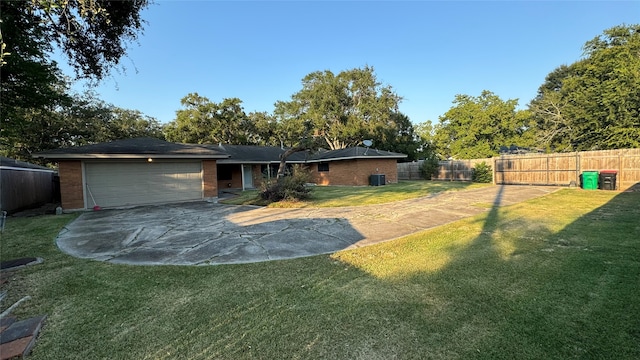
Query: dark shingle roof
<point x="138" y="147"/>
<point x="13" y="163"/>
<point x="355" y="153"/>
<point x="269" y="154"/>
<point x="227" y="154"/>
<point x="256" y="154"/>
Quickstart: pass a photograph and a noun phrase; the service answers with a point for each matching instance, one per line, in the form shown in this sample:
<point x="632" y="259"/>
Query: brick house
<point x="353" y="166"/>
<point x="248" y="165"/>
<point x="135" y="172"/>
<point x="146" y="171"/>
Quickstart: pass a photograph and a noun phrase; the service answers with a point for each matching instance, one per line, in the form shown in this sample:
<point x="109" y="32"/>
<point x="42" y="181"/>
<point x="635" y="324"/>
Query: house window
<point x="225" y="172"/>
<point x="323" y="167"/>
<point x="272" y="170"/>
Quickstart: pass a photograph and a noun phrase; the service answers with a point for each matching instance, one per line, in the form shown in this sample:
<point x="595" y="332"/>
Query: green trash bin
<point x="590" y="180"/>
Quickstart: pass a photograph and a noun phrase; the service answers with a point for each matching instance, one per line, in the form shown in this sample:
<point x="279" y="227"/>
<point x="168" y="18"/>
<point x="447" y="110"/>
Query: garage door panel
<point x="139" y="183"/>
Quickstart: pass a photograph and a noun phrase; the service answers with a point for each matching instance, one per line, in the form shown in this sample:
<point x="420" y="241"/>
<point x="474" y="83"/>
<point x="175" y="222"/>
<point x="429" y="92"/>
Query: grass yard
<point x="338" y="196"/>
<point x="553" y="278"/>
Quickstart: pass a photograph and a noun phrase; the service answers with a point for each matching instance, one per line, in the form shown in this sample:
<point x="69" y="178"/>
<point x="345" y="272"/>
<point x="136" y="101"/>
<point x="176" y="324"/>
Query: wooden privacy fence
<point x="458" y="170"/>
<point x="24" y="185"/>
<point x="565" y="168"/>
<point x="559" y="169"/>
<point x="449" y="170"/>
<point x="409" y="170"/>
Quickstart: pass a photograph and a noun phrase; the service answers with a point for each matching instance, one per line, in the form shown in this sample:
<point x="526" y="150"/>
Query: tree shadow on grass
<point x="525" y="289"/>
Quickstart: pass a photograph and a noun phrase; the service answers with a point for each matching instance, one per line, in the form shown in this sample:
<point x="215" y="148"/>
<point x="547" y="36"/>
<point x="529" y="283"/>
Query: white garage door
<point x="140" y="183"/>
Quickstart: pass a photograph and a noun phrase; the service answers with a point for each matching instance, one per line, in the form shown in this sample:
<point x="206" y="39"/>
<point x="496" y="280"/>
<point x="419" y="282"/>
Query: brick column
<point x="71" y="185"/>
<point x="209" y="179"/>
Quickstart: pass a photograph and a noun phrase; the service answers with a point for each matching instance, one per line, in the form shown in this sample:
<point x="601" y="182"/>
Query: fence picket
<point x="560" y="169"/>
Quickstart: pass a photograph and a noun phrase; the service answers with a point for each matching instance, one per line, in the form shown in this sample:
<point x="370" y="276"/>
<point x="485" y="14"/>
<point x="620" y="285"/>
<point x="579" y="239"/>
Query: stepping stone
<point x="19" y="337"/>
<point x="5" y="322"/>
<point x="22" y="329"/>
<point x="15" y="348"/>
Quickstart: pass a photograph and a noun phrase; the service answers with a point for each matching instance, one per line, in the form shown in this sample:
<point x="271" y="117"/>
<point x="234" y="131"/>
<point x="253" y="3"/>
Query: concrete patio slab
<point x="202" y="233"/>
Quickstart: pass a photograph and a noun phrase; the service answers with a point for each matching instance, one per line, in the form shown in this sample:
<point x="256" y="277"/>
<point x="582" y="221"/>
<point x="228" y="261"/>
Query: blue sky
<point x="427" y="51"/>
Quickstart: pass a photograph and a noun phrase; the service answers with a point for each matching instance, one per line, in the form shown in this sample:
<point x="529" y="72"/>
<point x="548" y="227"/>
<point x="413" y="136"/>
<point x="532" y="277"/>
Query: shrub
<point x="429" y="166"/>
<point x="482" y="173"/>
<point x="292" y="187"/>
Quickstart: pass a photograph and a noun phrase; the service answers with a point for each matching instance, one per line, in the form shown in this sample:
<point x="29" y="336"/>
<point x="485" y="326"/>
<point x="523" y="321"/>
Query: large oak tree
<point x="342" y="109"/>
<point x="202" y="121"/>
<point x="477" y="127"/>
<point x="594" y="103"/>
<point x="93" y="34"/>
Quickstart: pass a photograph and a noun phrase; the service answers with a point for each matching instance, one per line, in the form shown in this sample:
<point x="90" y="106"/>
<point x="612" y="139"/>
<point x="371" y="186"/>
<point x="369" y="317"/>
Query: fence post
<point x="619" y="177"/>
<point x="547" y="169"/>
<point x="578" y="167"/>
<point x="494" y="171"/>
<point x="453" y="172"/>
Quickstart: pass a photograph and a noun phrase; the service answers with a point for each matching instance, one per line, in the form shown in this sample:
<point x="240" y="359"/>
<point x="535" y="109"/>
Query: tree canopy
<point x="37" y="108"/>
<point x="203" y="121"/>
<point x="343" y="109"/>
<point x="82" y="120"/>
<point x="93" y="34"/>
<point x="593" y="103"/>
<point x="476" y="127"/>
<point x="331" y="111"/>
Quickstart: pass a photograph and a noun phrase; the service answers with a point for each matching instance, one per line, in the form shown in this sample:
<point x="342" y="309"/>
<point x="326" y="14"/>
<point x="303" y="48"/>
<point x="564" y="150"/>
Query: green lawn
<point x="338" y="196"/>
<point x="553" y="278"/>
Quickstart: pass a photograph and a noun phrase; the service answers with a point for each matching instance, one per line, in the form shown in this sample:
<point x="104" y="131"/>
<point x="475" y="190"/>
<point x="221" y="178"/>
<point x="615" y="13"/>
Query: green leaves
<point x="595" y="102"/>
<point x="38" y="113"/>
<point x="79" y="121"/>
<point x="334" y="111"/>
<point x="342" y="109"/>
<point x="202" y="121"/>
<point x="476" y="127"/>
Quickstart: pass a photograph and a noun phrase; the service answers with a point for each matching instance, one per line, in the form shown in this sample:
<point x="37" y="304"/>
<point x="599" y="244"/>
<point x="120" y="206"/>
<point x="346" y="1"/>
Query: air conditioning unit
<point x="376" y="180"/>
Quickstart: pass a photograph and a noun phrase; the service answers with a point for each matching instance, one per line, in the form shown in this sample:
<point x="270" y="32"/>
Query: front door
<point x="247" y="177"/>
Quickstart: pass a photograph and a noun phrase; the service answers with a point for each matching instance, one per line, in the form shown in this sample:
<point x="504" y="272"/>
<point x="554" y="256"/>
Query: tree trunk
<point x="283" y="159"/>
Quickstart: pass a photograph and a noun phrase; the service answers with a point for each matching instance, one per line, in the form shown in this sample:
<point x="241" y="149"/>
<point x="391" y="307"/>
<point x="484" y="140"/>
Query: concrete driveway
<point x="205" y="233"/>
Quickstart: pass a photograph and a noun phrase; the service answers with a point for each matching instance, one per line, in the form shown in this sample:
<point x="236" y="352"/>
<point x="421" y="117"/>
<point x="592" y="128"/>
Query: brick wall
<point x="354" y="172"/>
<point x="236" y="178"/>
<point x="209" y="178"/>
<point x="71" y="184"/>
<point x="257" y="175"/>
<point x="341" y="172"/>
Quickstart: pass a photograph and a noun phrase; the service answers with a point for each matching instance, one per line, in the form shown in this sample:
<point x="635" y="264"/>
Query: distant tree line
<point x="330" y="111"/>
<point x="593" y="103"/>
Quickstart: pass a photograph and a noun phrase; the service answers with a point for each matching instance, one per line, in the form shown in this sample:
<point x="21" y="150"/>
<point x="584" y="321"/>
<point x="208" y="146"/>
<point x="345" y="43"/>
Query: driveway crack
<point x="132" y="238"/>
<point x="266" y="251"/>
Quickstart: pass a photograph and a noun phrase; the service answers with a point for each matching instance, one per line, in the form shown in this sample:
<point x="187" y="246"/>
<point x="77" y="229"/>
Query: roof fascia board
<point x="233" y="161"/>
<point x="25" y="169"/>
<point x="357" y="158"/>
<point x="127" y="156"/>
<point x="237" y="162"/>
